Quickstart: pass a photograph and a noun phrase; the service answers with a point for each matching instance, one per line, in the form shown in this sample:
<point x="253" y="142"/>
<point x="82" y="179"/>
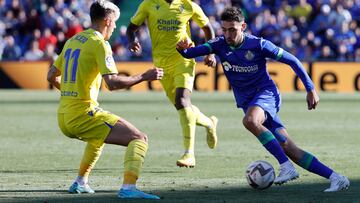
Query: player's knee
<point x="250" y="123"/>
<point x="285" y="145"/>
<point x="182" y="102"/>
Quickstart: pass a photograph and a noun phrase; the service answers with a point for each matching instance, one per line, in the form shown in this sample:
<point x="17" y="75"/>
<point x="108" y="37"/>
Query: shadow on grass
<point x="99" y="170"/>
<point x="53" y="171"/>
<point x="304" y="193"/>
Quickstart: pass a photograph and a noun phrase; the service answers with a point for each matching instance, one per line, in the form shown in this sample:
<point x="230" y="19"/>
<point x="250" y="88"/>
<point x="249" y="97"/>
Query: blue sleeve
<point x="272" y="51"/>
<point x="194" y="52"/>
<point x="298" y="68"/>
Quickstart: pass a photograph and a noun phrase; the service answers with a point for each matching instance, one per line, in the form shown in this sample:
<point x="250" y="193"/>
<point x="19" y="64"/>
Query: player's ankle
<point x="128" y="187"/>
<point x="334" y="176"/>
<point x="81" y="180"/>
<point x="189" y="151"/>
<point x="287" y="164"/>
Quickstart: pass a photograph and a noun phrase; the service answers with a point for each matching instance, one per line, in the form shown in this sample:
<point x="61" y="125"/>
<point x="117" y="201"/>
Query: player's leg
<point x="188" y="123"/>
<point x="210" y="123"/>
<point x="168" y="84"/>
<point x="261" y="109"/>
<point x="90" y="157"/>
<point x="253" y="121"/>
<point x="180" y="98"/>
<point x="125" y="134"/>
<point x="190" y="116"/>
<point x="99" y="127"/>
<point x="91" y="154"/>
<point x="185" y="75"/>
<point x="311" y="163"/>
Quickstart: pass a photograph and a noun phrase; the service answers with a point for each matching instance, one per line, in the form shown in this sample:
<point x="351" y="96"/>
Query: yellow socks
<point x="188" y="123"/>
<point x="201" y="119"/>
<point x="133" y="161"/>
<point x="90" y="157"/>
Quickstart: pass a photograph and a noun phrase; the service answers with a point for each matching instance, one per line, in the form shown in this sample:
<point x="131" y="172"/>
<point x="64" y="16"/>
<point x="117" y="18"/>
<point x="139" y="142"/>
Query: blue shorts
<point x="269" y="99"/>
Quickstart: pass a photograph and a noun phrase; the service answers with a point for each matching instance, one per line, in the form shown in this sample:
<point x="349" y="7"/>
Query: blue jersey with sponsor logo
<point x="245" y="66"/>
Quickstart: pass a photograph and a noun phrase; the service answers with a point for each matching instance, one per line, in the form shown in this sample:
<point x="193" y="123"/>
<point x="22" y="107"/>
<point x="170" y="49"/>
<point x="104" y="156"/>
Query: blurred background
<point x="313" y="30"/>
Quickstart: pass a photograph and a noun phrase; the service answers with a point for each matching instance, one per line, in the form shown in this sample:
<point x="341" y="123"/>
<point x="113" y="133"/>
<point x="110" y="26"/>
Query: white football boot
<point x="338" y="183"/>
<point x="286" y="174"/>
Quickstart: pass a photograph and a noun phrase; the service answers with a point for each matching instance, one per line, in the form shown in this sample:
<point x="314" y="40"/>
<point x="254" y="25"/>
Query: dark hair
<point x="101" y="9"/>
<point x="232" y="14"/>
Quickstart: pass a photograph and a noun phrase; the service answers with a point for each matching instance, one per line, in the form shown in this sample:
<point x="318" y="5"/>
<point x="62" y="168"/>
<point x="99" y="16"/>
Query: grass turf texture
<point x="38" y="163"/>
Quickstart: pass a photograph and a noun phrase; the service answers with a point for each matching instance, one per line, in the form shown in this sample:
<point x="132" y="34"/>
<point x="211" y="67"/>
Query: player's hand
<point x="184" y="44"/>
<point x="135" y="47"/>
<point x="210" y="60"/>
<point x="153" y="74"/>
<point x="312" y="99"/>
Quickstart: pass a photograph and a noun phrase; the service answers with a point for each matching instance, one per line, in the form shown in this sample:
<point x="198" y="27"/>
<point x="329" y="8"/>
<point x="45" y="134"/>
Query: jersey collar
<point x="240" y="45"/>
<point x="168" y="2"/>
<point x="97" y="33"/>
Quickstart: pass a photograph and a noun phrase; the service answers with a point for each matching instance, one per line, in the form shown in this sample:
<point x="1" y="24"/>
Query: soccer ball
<point x="260" y="175"/>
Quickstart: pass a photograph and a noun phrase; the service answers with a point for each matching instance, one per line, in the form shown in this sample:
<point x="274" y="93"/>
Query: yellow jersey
<point x="84" y="59"/>
<point x="168" y="23"/>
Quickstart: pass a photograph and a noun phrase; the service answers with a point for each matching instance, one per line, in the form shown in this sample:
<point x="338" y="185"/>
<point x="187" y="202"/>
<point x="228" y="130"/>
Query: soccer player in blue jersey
<point x="243" y="58"/>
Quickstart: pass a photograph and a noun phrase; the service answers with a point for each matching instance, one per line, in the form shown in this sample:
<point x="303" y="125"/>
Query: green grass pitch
<point x="38" y="163"/>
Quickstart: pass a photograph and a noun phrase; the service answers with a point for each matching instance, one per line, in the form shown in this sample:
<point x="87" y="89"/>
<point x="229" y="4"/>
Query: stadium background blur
<point x="313" y="30"/>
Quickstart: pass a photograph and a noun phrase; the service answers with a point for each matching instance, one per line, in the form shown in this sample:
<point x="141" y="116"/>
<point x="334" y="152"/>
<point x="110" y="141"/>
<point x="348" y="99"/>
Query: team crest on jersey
<point x="109" y="61"/>
<point x="249" y="55"/>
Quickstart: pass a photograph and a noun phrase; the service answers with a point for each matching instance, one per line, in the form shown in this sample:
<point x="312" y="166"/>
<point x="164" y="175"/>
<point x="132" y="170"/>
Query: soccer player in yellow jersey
<point x="168" y="23"/>
<point x="86" y="59"/>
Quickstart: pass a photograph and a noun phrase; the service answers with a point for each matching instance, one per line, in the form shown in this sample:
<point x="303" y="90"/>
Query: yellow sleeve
<point x="140" y="15"/>
<point x="199" y="16"/>
<point x="105" y="60"/>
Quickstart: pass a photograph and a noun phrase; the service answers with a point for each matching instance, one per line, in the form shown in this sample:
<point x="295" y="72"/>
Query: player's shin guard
<point x="268" y="140"/>
<point x="133" y="161"/>
<point x="188" y="123"/>
<point x="201" y="119"/>
<point x="312" y="164"/>
<point x="90" y="157"/>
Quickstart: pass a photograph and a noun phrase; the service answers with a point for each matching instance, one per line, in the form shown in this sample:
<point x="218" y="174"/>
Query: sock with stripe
<point x="268" y="140"/>
<point x="312" y="164"/>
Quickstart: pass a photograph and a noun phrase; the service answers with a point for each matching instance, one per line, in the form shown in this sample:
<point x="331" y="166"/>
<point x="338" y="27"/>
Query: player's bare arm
<point x="210" y="59"/>
<point x="54" y="77"/>
<point x="134" y="46"/>
<point x="115" y="81"/>
<point x="312" y="99"/>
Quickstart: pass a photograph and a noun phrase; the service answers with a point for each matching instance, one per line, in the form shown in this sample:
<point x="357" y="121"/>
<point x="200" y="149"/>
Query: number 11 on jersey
<point x="69" y="54"/>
